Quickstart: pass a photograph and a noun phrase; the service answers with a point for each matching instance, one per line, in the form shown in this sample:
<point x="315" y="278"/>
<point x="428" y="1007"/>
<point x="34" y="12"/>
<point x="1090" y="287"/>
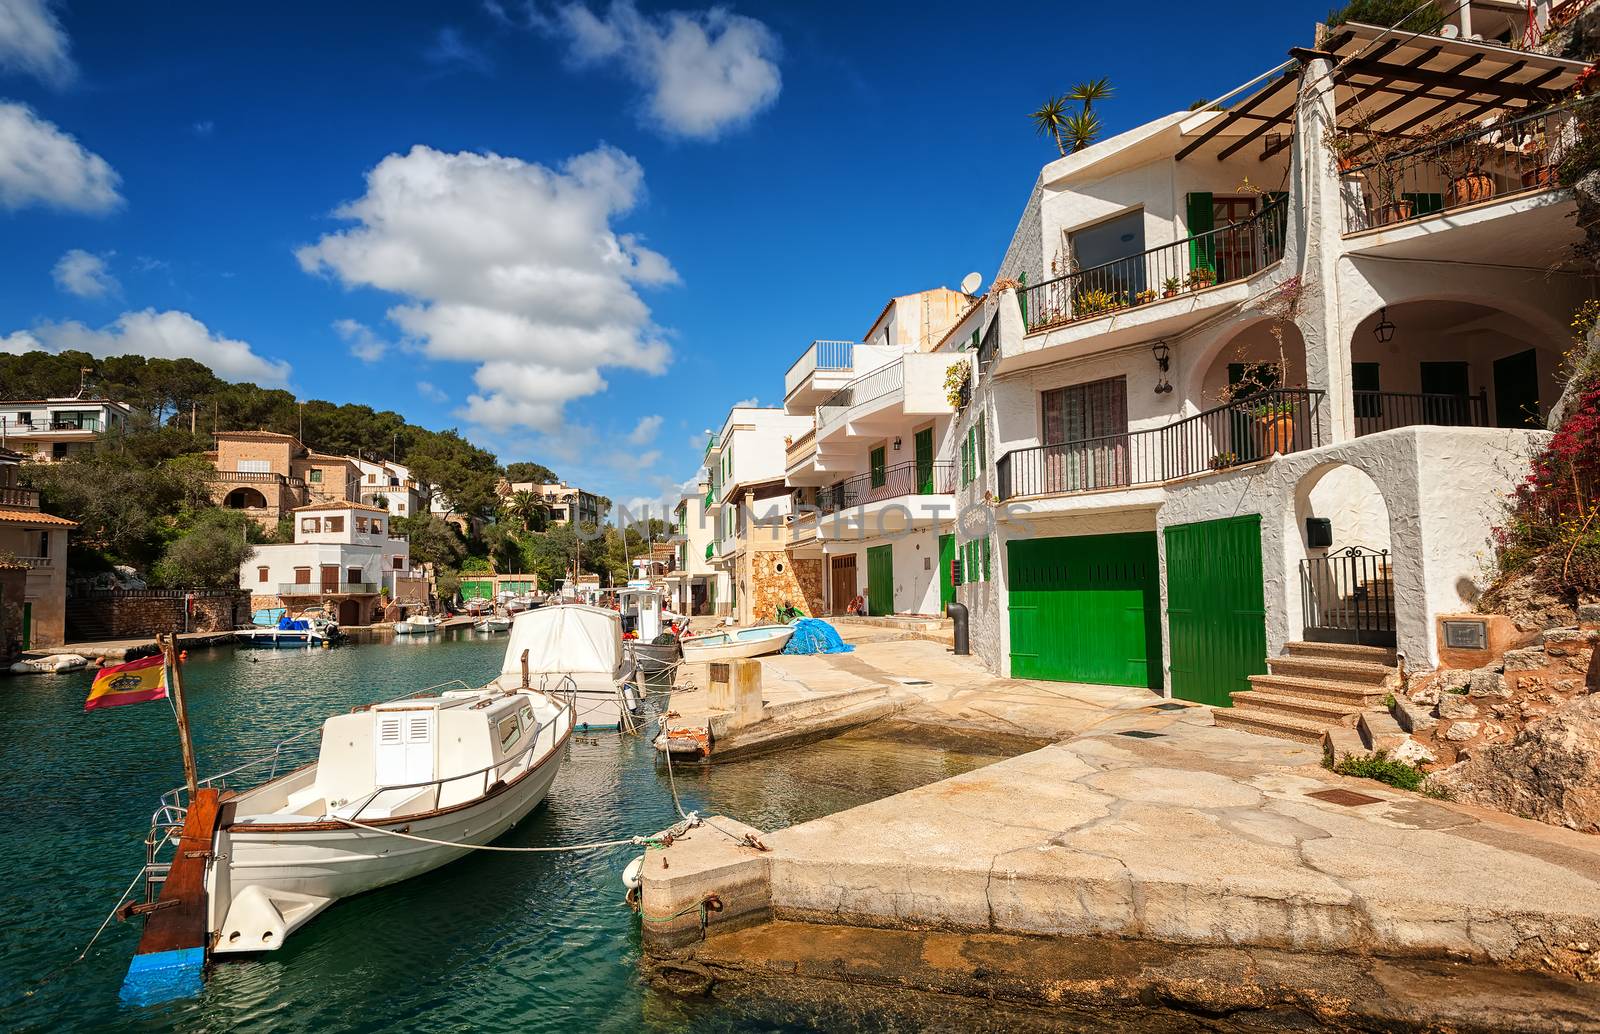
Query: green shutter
<point x="1201" y="253"/>
<point x="923" y="445"/>
<point x="1022" y="296"/>
<point x="879" y="470"/>
<point x="983" y="446"/>
<point x="985" y="559"/>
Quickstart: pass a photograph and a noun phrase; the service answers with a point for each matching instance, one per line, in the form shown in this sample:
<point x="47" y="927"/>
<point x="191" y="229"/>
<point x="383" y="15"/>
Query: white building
<point x="390" y="486"/>
<point x="876" y="467"/>
<point x="693" y="582"/>
<point x="1403" y="303"/>
<point x="343" y="557"/>
<point x="53" y="429"/>
<point x="750" y="513"/>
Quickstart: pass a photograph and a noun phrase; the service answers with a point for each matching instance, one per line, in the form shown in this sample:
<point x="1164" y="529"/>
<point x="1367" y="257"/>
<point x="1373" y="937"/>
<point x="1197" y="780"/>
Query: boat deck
<point x="172" y="948"/>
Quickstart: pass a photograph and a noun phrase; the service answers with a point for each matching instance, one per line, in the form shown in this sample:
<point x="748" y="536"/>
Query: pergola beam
<point x="1450" y="79"/>
<point x="1242" y="111"/>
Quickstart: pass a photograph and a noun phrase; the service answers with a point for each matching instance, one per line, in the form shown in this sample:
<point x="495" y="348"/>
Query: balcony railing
<point x="902" y="479"/>
<point x="1218" y="256"/>
<point x="36" y="563"/>
<point x="1282" y="420"/>
<point x="822" y="355"/>
<point x="249" y="477"/>
<point x="867" y="388"/>
<point x="1497" y="160"/>
<point x="1385" y="410"/>
<point x="27" y="498"/>
<point x="318" y="589"/>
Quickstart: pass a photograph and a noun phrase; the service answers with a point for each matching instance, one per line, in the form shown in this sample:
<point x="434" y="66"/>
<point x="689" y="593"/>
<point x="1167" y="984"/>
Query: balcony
<point x="912" y="385"/>
<point x="900" y="480"/>
<point x="1278" y="421"/>
<point x="819" y="371"/>
<point x="25" y="498"/>
<point x="37" y="563"/>
<point x="249" y="477"/>
<point x="1386" y="410"/>
<point x="1473" y="165"/>
<point x="318" y="589"/>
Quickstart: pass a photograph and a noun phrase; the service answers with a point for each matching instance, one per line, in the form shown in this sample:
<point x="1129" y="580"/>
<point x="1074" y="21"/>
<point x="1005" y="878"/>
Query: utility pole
<point x="194" y="408"/>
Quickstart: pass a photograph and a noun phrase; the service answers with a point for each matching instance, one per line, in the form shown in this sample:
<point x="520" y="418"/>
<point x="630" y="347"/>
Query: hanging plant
<point x="957" y="379"/>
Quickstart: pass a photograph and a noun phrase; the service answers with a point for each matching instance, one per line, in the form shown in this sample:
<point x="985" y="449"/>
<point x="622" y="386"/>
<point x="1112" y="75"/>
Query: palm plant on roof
<point x="1081" y="129"/>
<point x="1091" y="91"/>
<point x="1078" y="129"/>
<point x="1050" y="120"/>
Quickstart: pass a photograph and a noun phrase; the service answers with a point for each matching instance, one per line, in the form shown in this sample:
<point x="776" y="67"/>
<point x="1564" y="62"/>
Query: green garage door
<point x="880" y="580"/>
<point x="1086" y="609"/>
<point x="1216" y="617"/>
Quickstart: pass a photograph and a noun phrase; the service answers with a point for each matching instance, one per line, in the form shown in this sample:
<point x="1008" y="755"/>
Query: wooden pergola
<point x="1390" y="83"/>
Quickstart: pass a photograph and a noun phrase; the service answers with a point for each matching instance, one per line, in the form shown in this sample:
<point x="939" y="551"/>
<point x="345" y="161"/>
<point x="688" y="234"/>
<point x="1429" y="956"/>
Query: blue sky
<point x="677" y="205"/>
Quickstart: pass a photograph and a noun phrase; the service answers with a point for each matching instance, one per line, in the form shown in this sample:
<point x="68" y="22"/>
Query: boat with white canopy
<point x="581" y="646"/>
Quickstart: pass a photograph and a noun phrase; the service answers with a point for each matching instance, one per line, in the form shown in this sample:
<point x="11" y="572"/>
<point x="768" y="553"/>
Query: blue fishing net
<point x="813" y="635"/>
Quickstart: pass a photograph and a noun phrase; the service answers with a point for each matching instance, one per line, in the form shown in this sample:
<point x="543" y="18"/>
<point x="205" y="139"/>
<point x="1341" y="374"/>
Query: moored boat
<point x="580" y="648"/>
<point x="302" y="631"/>
<point x="737" y="642"/>
<point x="492" y="623"/>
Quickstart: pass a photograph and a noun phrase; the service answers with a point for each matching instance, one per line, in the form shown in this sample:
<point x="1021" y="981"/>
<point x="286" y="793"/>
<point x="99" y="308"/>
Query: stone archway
<point x="245" y="499"/>
<point x="1343" y="548"/>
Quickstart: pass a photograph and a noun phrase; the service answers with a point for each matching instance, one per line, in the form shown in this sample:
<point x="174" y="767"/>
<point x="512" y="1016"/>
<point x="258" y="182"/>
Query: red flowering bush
<point x="1554" y="527"/>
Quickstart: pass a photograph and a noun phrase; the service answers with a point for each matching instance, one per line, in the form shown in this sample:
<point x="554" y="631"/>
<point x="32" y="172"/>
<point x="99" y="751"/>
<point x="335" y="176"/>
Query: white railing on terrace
<point x="822" y="355"/>
<point x="885" y="380"/>
<point x="36" y="563"/>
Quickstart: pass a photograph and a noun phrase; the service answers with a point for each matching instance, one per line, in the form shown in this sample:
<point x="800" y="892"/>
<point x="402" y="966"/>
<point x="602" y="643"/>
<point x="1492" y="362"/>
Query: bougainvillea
<point x="1554" y="526"/>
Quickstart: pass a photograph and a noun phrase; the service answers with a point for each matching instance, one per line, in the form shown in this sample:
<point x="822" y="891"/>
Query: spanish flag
<point x="130" y="683"/>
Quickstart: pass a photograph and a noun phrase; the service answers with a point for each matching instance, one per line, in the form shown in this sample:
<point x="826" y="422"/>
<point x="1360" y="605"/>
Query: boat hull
<point x="724" y="647"/>
<point x="275" y="880"/>
<point x="277" y="638"/>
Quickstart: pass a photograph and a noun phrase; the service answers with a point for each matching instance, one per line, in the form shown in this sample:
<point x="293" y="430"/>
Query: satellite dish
<point x="1449" y="31"/>
<point x="971" y="282"/>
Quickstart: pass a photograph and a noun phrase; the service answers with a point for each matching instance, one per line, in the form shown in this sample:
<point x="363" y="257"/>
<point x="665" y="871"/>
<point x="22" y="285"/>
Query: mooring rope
<point x="690" y="821"/>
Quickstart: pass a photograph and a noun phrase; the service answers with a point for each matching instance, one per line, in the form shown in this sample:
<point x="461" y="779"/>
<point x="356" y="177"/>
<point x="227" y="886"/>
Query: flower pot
<point x="1466" y="189"/>
<point x="1395" y="212"/>
<point x="1170" y="294"/>
<point x="1277" y="433"/>
<point x="1542" y="176"/>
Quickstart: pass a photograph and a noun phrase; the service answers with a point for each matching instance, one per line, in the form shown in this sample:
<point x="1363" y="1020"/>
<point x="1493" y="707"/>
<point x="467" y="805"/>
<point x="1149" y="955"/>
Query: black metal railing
<point x="902" y="479"/>
<point x="1386" y="410"/>
<point x="1347" y="596"/>
<point x="1217" y="256"/>
<point x="1471" y="163"/>
<point x="1282" y="420"/>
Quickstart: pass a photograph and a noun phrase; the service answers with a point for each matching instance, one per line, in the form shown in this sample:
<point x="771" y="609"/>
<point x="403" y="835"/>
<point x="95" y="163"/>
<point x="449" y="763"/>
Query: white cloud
<point x="18" y="342"/>
<point x="645" y="430"/>
<point x="160" y="335"/>
<point x="39" y="164"/>
<point x="85" y="274"/>
<point x="749" y="403"/>
<point x="204" y="127"/>
<point x="32" y="43"/>
<point x="705" y="71"/>
<point x="364" y="344"/>
<point x="448" y="49"/>
<point x="508" y="264"/>
<point x="427" y="390"/>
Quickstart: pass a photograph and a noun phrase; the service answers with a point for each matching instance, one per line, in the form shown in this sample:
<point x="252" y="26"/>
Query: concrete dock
<point x="1140" y="823"/>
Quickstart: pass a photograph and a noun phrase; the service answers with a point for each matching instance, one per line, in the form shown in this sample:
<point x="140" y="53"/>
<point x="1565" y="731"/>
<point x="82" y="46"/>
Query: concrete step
<point x="1296" y="707"/>
<point x="1330" y="670"/>
<point x="1380" y="731"/>
<point x="1266" y="723"/>
<point x="1354" y="696"/>
<point x="1343" y="652"/>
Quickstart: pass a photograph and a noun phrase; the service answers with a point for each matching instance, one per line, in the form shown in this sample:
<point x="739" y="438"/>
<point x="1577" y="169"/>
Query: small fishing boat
<point x="493" y="623"/>
<point x="396" y="789"/>
<point x="581" y="647"/>
<point x="737" y="642"/>
<point x="311" y="630"/>
<point x="417" y="624"/>
<point x="655" y="655"/>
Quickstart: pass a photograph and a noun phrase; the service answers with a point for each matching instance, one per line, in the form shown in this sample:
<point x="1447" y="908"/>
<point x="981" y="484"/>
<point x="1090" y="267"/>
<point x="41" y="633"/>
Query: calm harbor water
<point x="492" y="942"/>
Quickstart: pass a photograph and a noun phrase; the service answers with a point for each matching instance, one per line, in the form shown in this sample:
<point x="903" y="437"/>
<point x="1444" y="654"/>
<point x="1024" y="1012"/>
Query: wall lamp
<point x="897" y="444"/>
<point x="1163" y="356"/>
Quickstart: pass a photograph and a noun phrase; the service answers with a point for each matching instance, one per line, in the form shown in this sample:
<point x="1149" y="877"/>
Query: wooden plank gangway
<point x="171" y="956"/>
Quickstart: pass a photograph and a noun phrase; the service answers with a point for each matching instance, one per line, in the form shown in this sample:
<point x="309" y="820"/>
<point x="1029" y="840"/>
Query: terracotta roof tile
<point x="339" y="506"/>
<point x="35" y="517"/>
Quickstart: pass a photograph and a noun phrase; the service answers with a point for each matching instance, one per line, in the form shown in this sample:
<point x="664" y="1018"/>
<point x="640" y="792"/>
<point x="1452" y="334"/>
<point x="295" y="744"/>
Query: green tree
<point x="1404" y="15"/>
<point x="524" y="472"/>
<point x="527" y="509"/>
<point x="209" y="554"/>
<point x="1050" y="119"/>
<point x="433" y="541"/>
<point x="465" y="474"/>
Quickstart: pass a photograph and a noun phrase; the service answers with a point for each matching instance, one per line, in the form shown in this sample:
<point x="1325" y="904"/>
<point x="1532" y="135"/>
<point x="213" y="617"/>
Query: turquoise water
<point x="492" y="942"/>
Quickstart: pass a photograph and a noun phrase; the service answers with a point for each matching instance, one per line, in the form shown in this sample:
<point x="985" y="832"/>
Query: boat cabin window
<point x="334" y="523"/>
<point x="509" y="733"/>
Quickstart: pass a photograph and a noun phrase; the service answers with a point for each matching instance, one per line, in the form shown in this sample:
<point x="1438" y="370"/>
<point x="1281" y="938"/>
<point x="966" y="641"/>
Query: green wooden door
<point x="880" y="580"/>
<point x="947" y="555"/>
<point x="1216" y="614"/>
<point x="877" y="465"/>
<point x="1086" y="609"/>
<point x="924" y="446"/>
<point x="476" y="589"/>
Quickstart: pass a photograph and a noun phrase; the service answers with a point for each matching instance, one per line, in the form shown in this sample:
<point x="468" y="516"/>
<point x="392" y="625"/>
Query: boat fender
<point x="633" y="875"/>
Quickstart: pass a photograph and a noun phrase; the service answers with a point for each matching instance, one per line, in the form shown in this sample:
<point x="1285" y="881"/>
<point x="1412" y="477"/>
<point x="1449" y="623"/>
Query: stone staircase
<point x="86" y="622"/>
<point x="1312" y="688"/>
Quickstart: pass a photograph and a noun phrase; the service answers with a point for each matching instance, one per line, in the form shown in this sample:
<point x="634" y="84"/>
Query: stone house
<point x="267" y="474"/>
<point x="343" y="558"/>
<point x="37" y="542"/>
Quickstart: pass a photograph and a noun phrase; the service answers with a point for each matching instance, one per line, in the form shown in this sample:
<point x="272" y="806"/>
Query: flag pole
<point x="169" y="649"/>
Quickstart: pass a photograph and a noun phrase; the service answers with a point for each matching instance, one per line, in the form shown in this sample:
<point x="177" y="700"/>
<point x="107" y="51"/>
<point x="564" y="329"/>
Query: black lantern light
<point x="1163" y="356"/>
<point x="1384" y="331"/>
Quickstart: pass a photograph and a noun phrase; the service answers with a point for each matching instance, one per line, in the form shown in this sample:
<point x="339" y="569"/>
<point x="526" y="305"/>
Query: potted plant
<point x="1169" y="287"/>
<point x="1201" y="277"/>
<point x="1224" y="460"/>
<point x="1277" y="425"/>
<point x="1092" y="302"/>
<point x="1537" y="168"/>
<point x="1144" y="297"/>
<point x="1461" y="157"/>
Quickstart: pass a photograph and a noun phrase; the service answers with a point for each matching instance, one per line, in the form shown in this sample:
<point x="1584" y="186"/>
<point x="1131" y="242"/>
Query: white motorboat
<point x="580" y="647"/>
<point x="310" y="630"/>
<point x="737" y="642"/>
<point x="644" y="615"/>
<point x="417" y="624"/>
<point x="397" y="789"/>
<point x="493" y="623"/>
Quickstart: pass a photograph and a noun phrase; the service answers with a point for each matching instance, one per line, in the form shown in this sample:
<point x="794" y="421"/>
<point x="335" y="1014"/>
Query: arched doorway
<point x="349" y="612"/>
<point x="245" y="499"/>
<point x="1346" y="567"/>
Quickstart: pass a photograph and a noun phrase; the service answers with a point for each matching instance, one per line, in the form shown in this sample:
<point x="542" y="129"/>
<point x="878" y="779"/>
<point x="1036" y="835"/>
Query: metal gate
<point x="1348" y="597"/>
